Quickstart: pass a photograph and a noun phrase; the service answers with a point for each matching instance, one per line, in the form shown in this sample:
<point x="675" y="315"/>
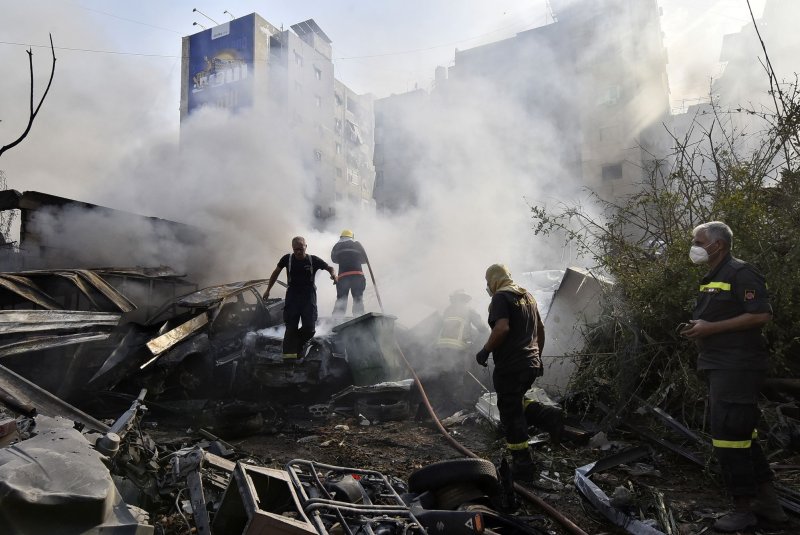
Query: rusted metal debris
<point x="25" y="394"/>
<point x="38" y="286"/>
<point x="74" y="482"/>
<point x="602" y="502"/>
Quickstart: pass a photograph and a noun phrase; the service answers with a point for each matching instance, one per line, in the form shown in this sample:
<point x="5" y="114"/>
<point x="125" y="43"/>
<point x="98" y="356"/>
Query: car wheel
<point x="453" y="472"/>
<point x="451" y="497"/>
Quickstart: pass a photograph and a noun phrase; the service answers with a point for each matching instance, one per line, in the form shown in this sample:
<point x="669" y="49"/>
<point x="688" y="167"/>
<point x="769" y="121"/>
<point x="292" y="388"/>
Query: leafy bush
<point x="716" y="172"/>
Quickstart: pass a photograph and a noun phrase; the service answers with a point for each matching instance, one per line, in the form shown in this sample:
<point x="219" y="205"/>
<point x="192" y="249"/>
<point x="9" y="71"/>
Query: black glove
<point x="482" y="357"/>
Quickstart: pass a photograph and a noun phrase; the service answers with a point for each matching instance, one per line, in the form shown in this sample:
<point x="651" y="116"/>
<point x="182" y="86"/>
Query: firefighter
<point x="731" y="309"/>
<point x="515" y="342"/>
<point x="350" y="256"/>
<point x="300" y="304"/>
<point x="461" y="325"/>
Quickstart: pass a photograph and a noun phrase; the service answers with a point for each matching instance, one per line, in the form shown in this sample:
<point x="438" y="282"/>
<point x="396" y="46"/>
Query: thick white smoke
<point x="101" y="138"/>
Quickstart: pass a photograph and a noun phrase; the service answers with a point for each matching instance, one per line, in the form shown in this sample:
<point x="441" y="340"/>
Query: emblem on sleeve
<point x="749" y="295"/>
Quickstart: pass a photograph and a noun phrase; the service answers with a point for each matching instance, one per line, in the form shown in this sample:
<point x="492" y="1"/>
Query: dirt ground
<point x="400" y="447"/>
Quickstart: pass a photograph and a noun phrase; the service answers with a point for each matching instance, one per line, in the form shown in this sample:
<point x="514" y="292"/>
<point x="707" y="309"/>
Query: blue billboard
<point x="221" y="65"/>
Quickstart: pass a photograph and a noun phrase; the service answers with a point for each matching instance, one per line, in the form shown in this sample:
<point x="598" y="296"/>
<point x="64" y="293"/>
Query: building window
<point x="318" y="155"/>
<point x="318" y="101"/>
<point x="612" y="172"/>
<point x="317" y="73"/>
<point x="352" y="176"/>
<point x="353" y="133"/>
<point x="338" y="98"/>
<point x="339" y="172"/>
<point x="337" y="125"/>
<point x="611" y="134"/>
<point x="298" y="59"/>
<point x="338" y="148"/>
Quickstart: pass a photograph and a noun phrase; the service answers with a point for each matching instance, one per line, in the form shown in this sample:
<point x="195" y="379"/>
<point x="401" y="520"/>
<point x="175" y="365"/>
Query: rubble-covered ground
<point x="400" y="447"/>
<point x="211" y="360"/>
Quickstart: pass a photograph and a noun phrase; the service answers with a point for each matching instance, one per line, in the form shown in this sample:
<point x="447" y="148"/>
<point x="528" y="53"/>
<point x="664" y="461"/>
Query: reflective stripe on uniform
<point x="732" y="444"/>
<point x="526" y="402"/>
<point x="348" y="273"/>
<point x="755" y="434"/>
<point x="518" y="446"/>
<point x="721" y="286"/>
<point x="449" y="342"/>
<point x="290" y="355"/>
<point x="452" y="333"/>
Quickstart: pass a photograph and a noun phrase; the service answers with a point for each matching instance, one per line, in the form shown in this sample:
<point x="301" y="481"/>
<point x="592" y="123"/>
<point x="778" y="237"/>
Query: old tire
<point x="453" y="472"/>
<point x="450" y="498"/>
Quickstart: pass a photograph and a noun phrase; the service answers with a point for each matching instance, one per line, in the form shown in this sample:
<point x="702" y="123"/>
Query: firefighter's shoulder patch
<point x="749" y="295"/>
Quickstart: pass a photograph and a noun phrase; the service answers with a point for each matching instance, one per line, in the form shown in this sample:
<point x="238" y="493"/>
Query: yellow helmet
<point x="346" y="234"/>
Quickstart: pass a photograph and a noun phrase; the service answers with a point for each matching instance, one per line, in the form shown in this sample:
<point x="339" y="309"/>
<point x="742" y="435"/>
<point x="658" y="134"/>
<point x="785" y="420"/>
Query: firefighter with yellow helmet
<point x="350" y="256"/>
<point x="461" y="325"/>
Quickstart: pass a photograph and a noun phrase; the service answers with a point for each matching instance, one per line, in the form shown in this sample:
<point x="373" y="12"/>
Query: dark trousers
<point x="545" y="417"/>
<point x="299" y="306"/>
<point x="354" y="284"/>
<point x="733" y="401"/>
<point x="511" y="386"/>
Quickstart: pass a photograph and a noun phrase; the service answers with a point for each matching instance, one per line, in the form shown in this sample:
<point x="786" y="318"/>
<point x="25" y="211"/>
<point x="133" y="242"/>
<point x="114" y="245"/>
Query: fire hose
<point x="551" y="511"/>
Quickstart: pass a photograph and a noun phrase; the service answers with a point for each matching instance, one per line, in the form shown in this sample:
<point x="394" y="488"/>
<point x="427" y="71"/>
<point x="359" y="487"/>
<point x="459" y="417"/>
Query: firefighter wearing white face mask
<point x="731" y="309"/>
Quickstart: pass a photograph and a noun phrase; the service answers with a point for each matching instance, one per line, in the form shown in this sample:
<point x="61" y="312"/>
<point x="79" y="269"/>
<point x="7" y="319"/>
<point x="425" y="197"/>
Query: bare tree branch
<point x="33" y="112"/>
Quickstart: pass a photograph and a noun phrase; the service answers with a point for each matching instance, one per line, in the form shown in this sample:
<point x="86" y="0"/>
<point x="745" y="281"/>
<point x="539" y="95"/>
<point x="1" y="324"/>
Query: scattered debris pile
<point x="211" y="359"/>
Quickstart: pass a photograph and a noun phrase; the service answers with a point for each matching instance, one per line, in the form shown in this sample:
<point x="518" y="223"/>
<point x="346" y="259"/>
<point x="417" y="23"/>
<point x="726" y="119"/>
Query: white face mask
<point x="698" y="255"/>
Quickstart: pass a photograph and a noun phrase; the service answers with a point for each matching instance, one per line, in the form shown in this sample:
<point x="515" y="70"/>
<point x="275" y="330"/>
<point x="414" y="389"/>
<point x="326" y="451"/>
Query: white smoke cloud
<point x="101" y="138"/>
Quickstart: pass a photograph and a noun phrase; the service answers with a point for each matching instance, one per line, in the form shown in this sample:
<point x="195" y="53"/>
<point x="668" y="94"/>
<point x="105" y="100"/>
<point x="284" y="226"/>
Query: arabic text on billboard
<point x="221" y="65"/>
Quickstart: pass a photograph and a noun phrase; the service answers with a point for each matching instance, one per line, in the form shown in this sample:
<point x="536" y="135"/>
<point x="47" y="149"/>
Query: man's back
<point x="349" y="254"/>
<point x="522" y="342"/>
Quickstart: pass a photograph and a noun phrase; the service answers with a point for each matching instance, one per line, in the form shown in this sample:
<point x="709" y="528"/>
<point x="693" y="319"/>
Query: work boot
<point x="741" y="518"/>
<point x="766" y="505"/>
<point x="557" y="431"/>
<point x="522" y="466"/>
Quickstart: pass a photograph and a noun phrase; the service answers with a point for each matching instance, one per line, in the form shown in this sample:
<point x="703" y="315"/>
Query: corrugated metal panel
<point x="46" y="403"/>
<point x="122" y="302"/>
<point x="46" y="342"/>
<point x="25" y="288"/>
<point x="27" y="321"/>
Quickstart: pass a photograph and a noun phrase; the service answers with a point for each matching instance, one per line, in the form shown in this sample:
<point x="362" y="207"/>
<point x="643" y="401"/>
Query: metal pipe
<point x="374" y="285"/>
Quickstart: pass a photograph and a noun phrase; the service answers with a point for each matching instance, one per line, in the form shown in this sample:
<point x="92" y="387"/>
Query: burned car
<point x="224" y="342"/>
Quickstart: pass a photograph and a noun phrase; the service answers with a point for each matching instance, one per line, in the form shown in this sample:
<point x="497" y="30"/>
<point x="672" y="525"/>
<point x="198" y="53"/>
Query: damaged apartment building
<point x="594" y="78"/>
<point x="249" y="64"/>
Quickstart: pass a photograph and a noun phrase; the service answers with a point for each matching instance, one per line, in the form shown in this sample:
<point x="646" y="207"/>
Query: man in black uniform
<point x="350" y="255"/>
<point x="301" y="295"/>
<point x="732" y="307"/>
<point x="516" y="343"/>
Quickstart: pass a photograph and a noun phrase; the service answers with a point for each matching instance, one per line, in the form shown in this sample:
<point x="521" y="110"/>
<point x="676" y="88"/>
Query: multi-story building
<point x="397" y="150"/>
<point x="744" y="81"/>
<point x="594" y="79"/>
<point x="249" y="64"/>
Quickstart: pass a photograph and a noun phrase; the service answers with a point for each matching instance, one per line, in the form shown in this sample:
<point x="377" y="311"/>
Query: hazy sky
<point x="383" y="47"/>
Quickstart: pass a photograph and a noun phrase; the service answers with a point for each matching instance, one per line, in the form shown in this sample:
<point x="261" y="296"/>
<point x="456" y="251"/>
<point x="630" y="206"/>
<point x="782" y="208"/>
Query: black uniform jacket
<point x="733" y="288"/>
